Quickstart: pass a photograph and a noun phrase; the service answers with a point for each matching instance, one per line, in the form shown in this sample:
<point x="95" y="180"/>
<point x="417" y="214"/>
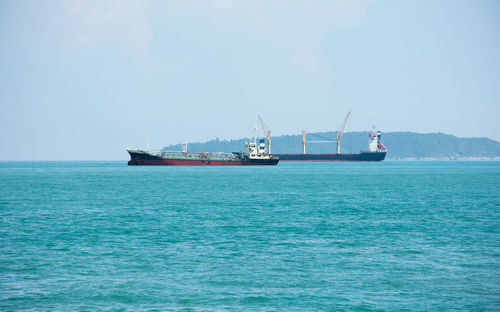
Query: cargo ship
<point x="252" y="155"/>
<point x="376" y="150"/>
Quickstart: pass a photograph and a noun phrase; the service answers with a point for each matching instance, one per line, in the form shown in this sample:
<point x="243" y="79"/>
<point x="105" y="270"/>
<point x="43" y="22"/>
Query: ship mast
<point x="255" y="135"/>
<point x="303" y="142"/>
<point x="267" y="133"/>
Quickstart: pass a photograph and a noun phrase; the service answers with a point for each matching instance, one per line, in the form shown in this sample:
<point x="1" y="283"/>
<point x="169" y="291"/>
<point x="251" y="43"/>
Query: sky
<point x="83" y="80"/>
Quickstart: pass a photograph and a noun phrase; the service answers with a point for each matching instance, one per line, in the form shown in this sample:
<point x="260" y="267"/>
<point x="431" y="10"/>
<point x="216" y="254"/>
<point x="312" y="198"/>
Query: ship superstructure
<point x="375" y="143"/>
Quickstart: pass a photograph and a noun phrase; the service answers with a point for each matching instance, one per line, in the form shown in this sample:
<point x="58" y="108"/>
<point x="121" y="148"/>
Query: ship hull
<point x="363" y="156"/>
<point x="144" y="159"/>
<point x="177" y="162"/>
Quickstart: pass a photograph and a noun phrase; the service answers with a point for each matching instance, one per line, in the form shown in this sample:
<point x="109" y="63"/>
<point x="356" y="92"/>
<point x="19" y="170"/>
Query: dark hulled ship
<point x="376" y="150"/>
<point x="362" y="156"/>
<point x="253" y="155"/>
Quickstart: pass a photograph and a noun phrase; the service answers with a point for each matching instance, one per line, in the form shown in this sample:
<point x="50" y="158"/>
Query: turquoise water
<point x="390" y="236"/>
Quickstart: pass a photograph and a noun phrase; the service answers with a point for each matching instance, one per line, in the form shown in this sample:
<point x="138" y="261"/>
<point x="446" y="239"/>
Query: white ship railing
<point x="193" y="155"/>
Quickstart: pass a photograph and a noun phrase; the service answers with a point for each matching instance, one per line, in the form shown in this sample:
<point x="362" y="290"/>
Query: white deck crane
<point x="267" y="133"/>
<point x="339" y="136"/>
<point x="341" y="132"/>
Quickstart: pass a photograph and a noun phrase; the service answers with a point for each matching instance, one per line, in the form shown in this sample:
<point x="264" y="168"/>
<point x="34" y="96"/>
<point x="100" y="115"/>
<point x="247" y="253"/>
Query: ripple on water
<point x="295" y="237"/>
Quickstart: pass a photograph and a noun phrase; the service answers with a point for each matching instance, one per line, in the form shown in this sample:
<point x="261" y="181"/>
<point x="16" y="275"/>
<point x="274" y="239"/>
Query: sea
<point x="387" y="236"/>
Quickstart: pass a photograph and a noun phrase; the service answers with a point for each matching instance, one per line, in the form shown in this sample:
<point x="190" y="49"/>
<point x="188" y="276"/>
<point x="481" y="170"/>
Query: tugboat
<point x="252" y="155"/>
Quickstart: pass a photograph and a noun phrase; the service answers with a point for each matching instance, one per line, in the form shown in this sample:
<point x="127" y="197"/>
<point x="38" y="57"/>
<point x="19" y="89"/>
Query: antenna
<point x="146" y="139"/>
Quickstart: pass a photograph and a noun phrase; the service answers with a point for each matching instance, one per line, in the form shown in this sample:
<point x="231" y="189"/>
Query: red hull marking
<point x="168" y="162"/>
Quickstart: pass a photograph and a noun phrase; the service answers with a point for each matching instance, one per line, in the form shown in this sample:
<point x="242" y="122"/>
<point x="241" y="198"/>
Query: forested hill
<point x="400" y="145"/>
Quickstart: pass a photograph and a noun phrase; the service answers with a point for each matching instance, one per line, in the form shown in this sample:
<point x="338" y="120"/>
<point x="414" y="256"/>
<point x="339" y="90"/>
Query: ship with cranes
<point x="257" y="154"/>
<point x="376" y="150"/>
<point x="254" y="154"/>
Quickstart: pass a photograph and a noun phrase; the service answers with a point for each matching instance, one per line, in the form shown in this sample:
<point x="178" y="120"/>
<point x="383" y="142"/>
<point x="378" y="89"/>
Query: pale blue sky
<point x="86" y="79"/>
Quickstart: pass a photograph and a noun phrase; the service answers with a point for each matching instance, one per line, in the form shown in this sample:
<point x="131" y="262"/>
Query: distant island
<point x="400" y="145"/>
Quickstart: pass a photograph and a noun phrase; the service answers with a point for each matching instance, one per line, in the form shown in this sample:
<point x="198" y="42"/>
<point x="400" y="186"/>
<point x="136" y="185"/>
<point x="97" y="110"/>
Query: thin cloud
<point x="295" y="26"/>
<point x="276" y="19"/>
<point x="99" y="22"/>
